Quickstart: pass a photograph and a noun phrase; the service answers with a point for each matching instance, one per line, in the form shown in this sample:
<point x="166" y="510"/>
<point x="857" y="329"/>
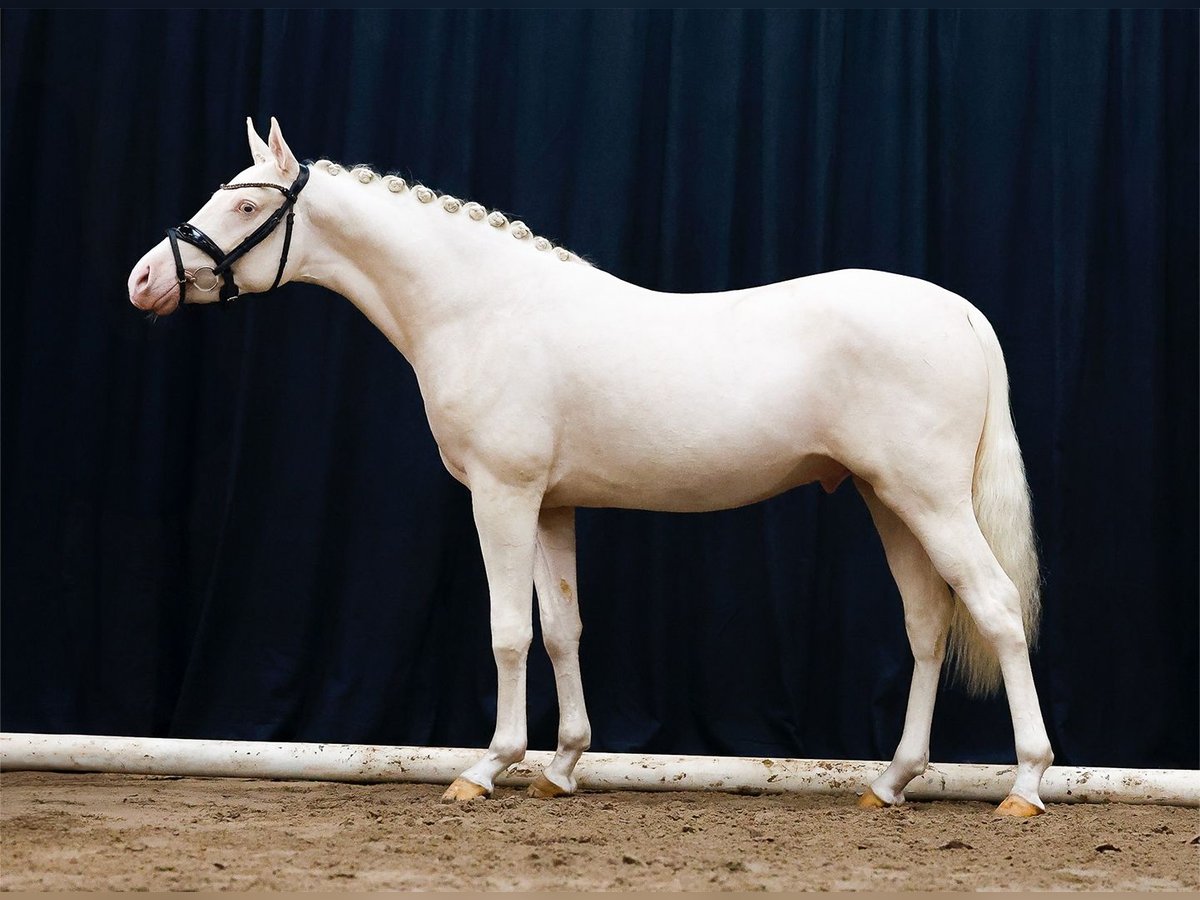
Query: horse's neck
<point x="412" y="268"/>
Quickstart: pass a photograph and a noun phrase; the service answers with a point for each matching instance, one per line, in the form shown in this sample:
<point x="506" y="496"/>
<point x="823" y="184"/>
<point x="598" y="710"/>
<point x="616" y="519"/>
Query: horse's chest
<point x="500" y="430"/>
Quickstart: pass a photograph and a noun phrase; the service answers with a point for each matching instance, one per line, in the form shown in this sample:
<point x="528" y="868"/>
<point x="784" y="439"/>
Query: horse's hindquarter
<point x="695" y="402"/>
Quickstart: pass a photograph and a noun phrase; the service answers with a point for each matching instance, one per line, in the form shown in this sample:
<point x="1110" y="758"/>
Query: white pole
<point x="596" y="771"/>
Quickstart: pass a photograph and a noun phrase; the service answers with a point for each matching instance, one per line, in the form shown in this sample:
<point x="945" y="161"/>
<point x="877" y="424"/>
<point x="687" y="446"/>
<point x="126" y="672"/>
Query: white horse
<point x="550" y="385"/>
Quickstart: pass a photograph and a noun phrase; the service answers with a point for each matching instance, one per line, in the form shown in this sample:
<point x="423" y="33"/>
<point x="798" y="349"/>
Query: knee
<point x="511" y="647"/>
<point x="561" y="644"/>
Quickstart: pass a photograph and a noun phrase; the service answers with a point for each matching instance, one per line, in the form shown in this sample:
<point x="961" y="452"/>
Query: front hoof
<point x="462" y="790"/>
<point x="1017" y="808"/>
<point x="544" y="789"/>
<point x="869" y="800"/>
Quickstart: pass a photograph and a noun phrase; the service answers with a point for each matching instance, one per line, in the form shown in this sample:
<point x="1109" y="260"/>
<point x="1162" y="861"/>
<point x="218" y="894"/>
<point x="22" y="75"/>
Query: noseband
<point x="222" y="261"/>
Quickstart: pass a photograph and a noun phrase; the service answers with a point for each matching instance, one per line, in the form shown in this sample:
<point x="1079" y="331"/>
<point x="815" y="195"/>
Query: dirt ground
<point x="69" y="832"/>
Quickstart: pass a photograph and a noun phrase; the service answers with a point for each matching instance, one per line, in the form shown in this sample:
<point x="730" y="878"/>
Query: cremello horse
<point x="550" y="385"/>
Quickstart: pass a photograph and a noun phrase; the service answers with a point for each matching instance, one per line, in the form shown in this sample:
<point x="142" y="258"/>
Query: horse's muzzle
<point x="152" y="283"/>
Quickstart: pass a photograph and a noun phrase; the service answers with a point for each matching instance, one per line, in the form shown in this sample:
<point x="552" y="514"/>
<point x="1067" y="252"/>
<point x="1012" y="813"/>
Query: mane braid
<point x="426" y="195"/>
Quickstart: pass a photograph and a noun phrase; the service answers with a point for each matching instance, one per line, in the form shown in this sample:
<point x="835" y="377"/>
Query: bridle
<point x="222" y="261"/>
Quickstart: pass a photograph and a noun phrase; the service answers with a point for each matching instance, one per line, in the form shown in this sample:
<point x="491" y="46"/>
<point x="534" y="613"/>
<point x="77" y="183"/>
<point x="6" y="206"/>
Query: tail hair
<point x="1004" y="511"/>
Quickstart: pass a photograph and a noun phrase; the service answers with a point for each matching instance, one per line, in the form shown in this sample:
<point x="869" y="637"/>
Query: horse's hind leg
<point x="558" y="603"/>
<point x="927" y="609"/>
<point x="957" y="548"/>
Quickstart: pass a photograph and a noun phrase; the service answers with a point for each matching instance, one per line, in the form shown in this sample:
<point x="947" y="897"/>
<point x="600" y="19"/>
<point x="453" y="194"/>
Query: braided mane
<point x="428" y="196"/>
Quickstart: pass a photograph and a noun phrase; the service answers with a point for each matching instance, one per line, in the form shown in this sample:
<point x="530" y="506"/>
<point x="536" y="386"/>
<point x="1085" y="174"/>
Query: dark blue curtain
<point x="236" y="525"/>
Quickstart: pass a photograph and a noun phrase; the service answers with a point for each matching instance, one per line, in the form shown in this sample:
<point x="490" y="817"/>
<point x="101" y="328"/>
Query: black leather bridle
<point x="222" y="261"/>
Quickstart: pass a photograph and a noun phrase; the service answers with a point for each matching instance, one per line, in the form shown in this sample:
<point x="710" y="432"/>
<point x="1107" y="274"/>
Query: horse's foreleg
<point x="558" y="604"/>
<point x="927" y="610"/>
<point x="506" y="518"/>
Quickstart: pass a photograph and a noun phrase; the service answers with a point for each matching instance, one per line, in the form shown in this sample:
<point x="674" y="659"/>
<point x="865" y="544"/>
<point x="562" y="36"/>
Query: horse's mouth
<point x="167" y="303"/>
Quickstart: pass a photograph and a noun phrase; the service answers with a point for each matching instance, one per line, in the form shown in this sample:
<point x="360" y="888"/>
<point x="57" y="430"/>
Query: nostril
<point x="139" y="286"/>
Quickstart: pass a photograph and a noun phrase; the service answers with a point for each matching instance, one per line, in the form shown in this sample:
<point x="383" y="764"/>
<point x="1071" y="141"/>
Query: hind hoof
<point x="869" y="800"/>
<point x="544" y="789"/>
<point x="1017" y="808"/>
<point x="462" y="790"/>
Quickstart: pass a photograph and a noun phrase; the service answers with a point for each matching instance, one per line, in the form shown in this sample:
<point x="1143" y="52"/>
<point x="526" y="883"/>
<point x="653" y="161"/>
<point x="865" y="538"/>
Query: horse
<point x="550" y="384"/>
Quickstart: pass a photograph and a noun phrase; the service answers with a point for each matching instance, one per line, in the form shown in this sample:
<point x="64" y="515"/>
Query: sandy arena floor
<point x="64" y="832"/>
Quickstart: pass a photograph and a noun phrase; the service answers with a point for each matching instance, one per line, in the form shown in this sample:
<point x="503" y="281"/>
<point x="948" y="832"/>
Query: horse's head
<point x="238" y="242"/>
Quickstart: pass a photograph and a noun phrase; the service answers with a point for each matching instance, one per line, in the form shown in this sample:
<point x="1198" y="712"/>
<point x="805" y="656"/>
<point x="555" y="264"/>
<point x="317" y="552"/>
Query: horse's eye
<point x="247" y="207"/>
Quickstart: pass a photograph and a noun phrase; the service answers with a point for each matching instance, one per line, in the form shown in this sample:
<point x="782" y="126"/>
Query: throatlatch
<point x="223" y="262"/>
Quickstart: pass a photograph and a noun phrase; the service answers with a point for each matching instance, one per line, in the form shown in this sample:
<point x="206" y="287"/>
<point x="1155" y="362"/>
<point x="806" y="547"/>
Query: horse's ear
<point x="258" y="147"/>
<point x="289" y="166"/>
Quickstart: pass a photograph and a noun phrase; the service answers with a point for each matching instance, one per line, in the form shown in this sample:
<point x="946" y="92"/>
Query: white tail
<point x="1001" y="499"/>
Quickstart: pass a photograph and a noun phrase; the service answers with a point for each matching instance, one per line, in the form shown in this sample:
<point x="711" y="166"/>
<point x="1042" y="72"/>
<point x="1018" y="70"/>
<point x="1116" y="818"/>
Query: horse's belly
<point x="684" y="483"/>
<point x="714" y="430"/>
